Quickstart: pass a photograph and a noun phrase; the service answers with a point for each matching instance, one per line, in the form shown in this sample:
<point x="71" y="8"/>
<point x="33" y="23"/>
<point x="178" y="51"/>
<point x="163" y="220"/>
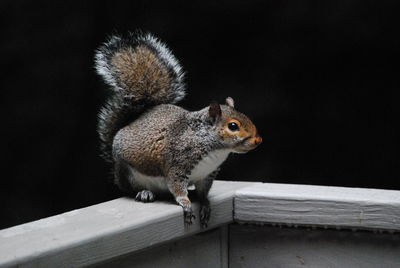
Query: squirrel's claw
<point x="205" y="212"/>
<point x="145" y="196"/>
<point x="188" y="216"/>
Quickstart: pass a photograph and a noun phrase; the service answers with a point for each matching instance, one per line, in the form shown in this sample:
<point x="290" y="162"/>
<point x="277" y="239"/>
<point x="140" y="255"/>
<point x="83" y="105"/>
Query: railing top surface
<point x="320" y="206"/>
<point x="302" y="191"/>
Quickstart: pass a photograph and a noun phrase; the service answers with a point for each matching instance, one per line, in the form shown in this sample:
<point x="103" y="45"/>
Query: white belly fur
<point x="208" y="164"/>
<point x="204" y="167"/>
<point x="151" y="183"/>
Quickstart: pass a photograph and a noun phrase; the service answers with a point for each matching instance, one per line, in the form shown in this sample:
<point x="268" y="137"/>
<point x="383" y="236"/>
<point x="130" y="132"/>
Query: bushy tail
<point x="142" y="72"/>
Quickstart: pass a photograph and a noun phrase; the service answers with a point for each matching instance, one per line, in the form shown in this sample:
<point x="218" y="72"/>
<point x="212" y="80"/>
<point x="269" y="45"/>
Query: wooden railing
<point x="122" y="231"/>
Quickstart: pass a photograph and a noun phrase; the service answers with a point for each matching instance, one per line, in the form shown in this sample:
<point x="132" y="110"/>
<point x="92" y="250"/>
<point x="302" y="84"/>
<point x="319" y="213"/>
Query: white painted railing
<point x="121" y="232"/>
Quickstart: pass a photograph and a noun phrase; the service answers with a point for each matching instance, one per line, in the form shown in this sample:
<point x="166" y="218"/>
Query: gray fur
<point x="186" y="139"/>
<point x="152" y="142"/>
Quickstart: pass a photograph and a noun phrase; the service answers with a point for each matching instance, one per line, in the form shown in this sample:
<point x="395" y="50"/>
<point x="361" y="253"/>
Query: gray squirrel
<point x="156" y="147"/>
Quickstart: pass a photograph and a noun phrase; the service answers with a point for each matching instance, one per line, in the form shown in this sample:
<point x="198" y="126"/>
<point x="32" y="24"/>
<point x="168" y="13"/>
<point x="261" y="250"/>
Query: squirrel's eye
<point x="233" y="126"/>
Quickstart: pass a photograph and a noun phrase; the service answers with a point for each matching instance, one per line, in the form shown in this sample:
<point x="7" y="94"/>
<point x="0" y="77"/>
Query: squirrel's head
<point x="236" y="130"/>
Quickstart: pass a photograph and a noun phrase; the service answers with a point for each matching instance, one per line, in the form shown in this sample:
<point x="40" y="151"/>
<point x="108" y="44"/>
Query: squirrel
<point x="156" y="147"/>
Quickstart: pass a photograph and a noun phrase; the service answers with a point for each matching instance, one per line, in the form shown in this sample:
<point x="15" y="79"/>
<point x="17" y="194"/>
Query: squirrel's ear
<point x="230" y="102"/>
<point x="214" y="111"/>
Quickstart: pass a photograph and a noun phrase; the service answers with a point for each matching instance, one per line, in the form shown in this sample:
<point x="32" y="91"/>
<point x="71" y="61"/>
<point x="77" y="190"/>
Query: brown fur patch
<point x="140" y="69"/>
<point x="146" y="157"/>
<point x="179" y="191"/>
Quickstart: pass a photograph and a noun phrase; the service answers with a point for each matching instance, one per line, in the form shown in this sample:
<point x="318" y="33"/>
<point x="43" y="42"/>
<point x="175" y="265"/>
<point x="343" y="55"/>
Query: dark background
<point x="317" y="77"/>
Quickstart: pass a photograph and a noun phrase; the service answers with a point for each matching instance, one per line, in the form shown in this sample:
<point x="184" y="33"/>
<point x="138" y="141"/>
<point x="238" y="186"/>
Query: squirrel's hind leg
<point x="202" y="189"/>
<point x="122" y="174"/>
<point x="123" y="179"/>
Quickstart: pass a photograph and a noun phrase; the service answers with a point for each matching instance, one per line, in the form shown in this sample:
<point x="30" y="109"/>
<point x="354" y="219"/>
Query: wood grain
<point x="319" y="205"/>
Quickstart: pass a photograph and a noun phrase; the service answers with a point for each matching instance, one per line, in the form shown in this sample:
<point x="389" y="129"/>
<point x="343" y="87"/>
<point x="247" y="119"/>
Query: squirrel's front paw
<point x="205" y="212"/>
<point x="188" y="215"/>
<point x="145" y="196"/>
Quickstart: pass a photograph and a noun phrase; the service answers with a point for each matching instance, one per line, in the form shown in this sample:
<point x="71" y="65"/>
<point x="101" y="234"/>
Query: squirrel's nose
<point x="257" y="140"/>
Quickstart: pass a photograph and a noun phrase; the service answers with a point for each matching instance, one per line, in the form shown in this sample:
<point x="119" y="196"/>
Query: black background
<point x="317" y="77"/>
